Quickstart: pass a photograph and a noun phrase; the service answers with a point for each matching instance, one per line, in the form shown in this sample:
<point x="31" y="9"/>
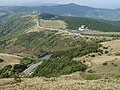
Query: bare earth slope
<point x="114" y="45"/>
<point x="9" y="59"/>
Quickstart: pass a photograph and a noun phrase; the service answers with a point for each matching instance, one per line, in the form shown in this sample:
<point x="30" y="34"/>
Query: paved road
<point x="31" y="68"/>
<point x="60" y="30"/>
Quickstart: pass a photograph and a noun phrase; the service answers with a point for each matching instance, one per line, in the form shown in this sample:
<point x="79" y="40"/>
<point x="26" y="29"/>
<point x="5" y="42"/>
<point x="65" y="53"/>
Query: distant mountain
<point x="70" y="10"/>
<point x="3" y="14"/>
<point x="49" y="4"/>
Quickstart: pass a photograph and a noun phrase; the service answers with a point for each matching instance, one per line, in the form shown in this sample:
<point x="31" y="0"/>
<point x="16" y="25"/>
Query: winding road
<point x="31" y="68"/>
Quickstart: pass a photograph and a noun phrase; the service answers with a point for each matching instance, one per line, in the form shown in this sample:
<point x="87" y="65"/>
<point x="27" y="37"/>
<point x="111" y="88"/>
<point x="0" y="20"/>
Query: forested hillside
<point x="49" y="41"/>
<point x="93" y="24"/>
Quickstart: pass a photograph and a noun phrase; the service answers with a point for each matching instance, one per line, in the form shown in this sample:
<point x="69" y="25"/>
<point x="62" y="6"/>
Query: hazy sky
<point x="93" y="3"/>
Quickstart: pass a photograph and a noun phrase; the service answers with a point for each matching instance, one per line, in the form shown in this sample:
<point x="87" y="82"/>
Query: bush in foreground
<point x="1" y="60"/>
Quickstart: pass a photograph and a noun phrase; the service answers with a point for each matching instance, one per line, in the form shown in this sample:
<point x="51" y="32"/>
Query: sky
<point x="92" y="3"/>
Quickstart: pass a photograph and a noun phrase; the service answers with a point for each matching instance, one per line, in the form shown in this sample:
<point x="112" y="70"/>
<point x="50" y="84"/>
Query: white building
<point x="83" y="28"/>
<point x="36" y="12"/>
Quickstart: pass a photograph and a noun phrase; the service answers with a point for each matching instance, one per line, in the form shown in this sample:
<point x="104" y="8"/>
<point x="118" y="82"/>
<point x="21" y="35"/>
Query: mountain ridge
<point x="69" y="10"/>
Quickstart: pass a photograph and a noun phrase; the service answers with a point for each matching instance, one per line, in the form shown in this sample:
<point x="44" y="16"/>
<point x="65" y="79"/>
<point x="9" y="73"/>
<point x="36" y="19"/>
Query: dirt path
<point x="113" y="45"/>
<point x="103" y="59"/>
<point x="9" y="59"/>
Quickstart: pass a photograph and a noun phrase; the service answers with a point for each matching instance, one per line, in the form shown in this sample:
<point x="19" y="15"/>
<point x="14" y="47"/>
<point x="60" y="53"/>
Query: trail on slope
<point x="9" y="59"/>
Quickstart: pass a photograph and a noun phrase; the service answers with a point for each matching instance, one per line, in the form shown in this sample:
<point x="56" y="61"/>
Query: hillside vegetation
<point x="63" y="50"/>
<point x="49" y="41"/>
<point x="14" y="26"/>
<point x="63" y="45"/>
<point x="57" y="67"/>
<point x="48" y="52"/>
<point x="93" y="24"/>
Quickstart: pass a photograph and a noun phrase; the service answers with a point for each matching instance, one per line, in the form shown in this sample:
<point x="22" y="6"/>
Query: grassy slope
<point x="53" y="24"/>
<point x="69" y="82"/>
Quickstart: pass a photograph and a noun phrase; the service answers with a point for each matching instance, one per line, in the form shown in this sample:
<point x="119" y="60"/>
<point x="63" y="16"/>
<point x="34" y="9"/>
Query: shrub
<point x="90" y="76"/>
<point x="99" y="54"/>
<point x="19" y="68"/>
<point x="100" y="51"/>
<point x="105" y="47"/>
<point x="84" y="61"/>
<point x="27" y="61"/>
<point x="5" y="72"/>
<point x="86" y="38"/>
<point x="90" y="71"/>
<point x="105" y="63"/>
<point x="100" y="45"/>
<point x="92" y="55"/>
<point x="1" y="60"/>
<point x="117" y="54"/>
<point x="115" y="65"/>
<point x="117" y="76"/>
<point x="106" y="52"/>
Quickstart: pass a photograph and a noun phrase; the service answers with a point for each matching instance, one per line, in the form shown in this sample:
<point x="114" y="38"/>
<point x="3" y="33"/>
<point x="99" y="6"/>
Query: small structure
<point x="83" y="28"/>
<point x="36" y="12"/>
<point x="77" y="34"/>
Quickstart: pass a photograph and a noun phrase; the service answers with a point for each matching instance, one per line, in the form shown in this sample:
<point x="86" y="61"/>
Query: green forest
<point x="93" y="24"/>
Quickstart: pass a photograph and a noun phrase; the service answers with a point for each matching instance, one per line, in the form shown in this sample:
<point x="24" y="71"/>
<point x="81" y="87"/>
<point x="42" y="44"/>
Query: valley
<point x="49" y="52"/>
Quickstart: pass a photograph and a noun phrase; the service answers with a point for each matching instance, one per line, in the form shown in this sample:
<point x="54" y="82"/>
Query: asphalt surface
<point x="31" y="68"/>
